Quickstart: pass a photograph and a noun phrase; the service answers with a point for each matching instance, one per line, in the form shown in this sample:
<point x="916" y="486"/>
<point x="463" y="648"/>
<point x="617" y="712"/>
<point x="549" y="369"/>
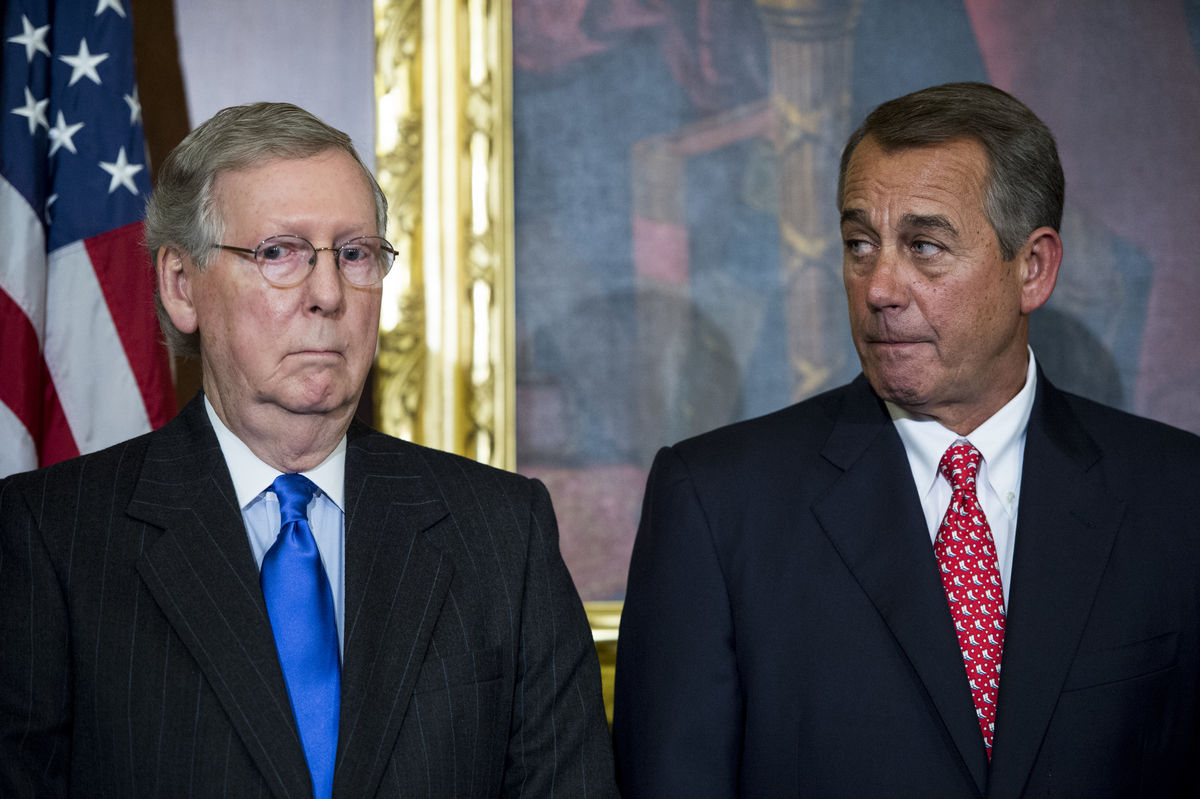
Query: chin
<point x="898" y="389"/>
<point x="320" y="390"/>
<point x="320" y="400"/>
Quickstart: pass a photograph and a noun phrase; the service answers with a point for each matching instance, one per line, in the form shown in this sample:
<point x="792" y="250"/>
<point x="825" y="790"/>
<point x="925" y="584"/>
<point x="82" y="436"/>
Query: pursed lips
<point x="895" y="346"/>
<point x="895" y="340"/>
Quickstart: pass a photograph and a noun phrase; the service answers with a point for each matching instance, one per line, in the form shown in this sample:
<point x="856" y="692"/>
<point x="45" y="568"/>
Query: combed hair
<point x="182" y="211"/>
<point x="1025" y="185"/>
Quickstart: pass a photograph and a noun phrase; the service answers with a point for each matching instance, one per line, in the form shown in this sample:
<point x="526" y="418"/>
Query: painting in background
<point x="677" y="253"/>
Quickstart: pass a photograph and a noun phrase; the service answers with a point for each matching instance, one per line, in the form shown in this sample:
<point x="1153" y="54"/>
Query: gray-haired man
<point x="265" y="597"/>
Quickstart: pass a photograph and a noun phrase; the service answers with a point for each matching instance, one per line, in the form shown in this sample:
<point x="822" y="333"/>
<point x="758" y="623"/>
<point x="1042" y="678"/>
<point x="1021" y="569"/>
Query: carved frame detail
<point x="443" y="85"/>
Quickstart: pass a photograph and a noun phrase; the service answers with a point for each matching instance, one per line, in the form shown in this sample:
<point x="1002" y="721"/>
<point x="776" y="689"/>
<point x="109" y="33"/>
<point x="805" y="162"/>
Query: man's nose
<point x="887" y="286"/>
<point x="324" y="283"/>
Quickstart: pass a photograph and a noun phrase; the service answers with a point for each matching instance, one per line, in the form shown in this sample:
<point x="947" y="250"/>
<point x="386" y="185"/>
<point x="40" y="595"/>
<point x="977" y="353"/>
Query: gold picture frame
<point x="443" y="88"/>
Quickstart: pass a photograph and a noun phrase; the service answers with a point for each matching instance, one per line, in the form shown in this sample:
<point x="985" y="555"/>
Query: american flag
<point x="81" y="364"/>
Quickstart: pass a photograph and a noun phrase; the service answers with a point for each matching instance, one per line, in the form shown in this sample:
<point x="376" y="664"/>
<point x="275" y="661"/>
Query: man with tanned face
<point x="265" y="597"/>
<point x="947" y="578"/>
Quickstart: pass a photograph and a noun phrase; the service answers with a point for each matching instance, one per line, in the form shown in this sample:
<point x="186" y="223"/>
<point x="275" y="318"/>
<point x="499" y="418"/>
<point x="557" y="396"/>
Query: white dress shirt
<point x="1001" y="442"/>
<point x="260" y="507"/>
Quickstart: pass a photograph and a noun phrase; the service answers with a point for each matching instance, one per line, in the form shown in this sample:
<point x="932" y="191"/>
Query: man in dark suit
<point x="264" y="597"/>
<point x="821" y="600"/>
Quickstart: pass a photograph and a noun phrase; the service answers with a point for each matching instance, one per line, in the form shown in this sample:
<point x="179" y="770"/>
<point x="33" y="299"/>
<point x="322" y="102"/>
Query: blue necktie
<point x="300" y="604"/>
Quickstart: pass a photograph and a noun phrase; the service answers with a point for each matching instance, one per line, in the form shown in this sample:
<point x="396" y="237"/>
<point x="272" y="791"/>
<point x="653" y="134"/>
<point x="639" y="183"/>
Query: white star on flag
<point x="135" y="106"/>
<point x="61" y="133"/>
<point x="115" y="5"/>
<point x="122" y="172"/>
<point x="33" y="38"/>
<point x="34" y="111"/>
<point x="84" y="64"/>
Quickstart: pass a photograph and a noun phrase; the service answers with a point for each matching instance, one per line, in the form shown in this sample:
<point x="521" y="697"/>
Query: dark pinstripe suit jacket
<point x="136" y="657"/>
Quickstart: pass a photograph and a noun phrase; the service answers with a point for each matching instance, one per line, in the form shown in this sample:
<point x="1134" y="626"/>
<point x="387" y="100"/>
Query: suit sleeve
<point x="35" y="677"/>
<point x="678" y="705"/>
<point x="559" y="744"/>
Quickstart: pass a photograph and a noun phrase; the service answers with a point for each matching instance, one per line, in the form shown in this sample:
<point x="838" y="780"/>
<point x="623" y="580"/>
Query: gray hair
<point x="1025" y="185"/>
<point x="182" y="211"/>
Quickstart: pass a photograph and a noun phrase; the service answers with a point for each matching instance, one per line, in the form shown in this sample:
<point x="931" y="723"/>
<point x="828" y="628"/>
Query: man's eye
<point x="858" y="246"/>
<point x="281" y="249"/>
<point x="925" y="249"/>
<point x="351" y="254"/>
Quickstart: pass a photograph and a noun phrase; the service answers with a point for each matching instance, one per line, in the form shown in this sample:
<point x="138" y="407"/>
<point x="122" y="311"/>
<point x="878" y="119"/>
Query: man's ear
<point x="174" y="272"/>
<point x="1040" y="259"/>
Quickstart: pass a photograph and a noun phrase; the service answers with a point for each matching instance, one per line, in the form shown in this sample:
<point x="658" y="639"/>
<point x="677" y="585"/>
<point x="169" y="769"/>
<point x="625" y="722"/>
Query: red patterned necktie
<point x="967" y="560"/>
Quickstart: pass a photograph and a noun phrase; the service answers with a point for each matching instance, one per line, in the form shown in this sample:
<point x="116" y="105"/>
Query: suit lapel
<point x="1065" y="531"/>
<point x="396" y="582"/>
<point x="202" y="574"/>
<point x="873" y="516"/>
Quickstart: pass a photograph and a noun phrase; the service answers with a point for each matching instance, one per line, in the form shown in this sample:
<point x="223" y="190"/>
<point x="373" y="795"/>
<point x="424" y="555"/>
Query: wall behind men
<point x="318" y="54"/>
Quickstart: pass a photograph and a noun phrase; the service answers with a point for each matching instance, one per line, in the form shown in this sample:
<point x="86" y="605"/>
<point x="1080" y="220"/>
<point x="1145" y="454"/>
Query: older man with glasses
<point x="266" y="597"/>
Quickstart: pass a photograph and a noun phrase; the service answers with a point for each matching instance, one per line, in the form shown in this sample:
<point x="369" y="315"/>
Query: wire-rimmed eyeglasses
<point x="285" y="261"/>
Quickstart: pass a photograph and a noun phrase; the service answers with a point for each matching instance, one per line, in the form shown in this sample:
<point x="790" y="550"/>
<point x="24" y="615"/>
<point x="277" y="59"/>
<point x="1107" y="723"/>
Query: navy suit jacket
<point x="786" y="632"/>
<point x="137" y="659"/>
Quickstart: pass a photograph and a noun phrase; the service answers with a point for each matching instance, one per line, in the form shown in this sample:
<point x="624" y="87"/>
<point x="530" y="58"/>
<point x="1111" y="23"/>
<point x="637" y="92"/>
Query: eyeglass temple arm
<point x="233" y="249"/>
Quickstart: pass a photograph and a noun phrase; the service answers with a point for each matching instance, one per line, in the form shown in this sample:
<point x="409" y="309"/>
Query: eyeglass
<point x="285" y="261"/>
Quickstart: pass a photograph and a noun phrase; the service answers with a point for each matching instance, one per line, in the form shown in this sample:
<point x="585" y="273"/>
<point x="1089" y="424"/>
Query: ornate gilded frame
<point x="443" y="88"/>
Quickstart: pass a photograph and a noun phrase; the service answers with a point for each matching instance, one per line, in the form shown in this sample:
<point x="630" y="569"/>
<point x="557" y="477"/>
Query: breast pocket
<point x="462" y="669"/>
<point x="1137" y="659"/>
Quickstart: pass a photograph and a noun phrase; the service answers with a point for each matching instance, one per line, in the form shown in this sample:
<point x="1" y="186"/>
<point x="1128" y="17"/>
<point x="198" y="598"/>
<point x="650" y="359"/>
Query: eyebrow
<point x="856" y="216"/>
<point x="907" y="222"/>
<point x="927" y="222"/>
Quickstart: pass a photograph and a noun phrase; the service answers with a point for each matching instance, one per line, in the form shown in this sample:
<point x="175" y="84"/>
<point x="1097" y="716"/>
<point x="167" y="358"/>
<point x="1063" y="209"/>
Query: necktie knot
<point x="294" y="491"/>
<point x="960" y="465"/>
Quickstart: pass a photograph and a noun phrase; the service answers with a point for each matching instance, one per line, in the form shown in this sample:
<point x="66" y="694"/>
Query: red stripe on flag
<point x="28" y="390"/>
<point x="125" y="277"/>
<point x="57" y="443"/>
<point x="22" y="364"/>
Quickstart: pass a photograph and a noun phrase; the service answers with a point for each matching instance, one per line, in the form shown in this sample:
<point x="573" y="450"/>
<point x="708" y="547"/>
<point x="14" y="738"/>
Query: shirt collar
<point x="251" y="476"/>
<point x="999" y="440"/>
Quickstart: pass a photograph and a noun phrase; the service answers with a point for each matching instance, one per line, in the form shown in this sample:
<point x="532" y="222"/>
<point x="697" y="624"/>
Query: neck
<point x="964" y="418"/>
<point x="287" y="441"/>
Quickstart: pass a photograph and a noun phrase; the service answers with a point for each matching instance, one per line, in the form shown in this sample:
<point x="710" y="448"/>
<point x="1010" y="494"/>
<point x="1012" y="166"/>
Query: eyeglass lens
<point x="287" y="260"/>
